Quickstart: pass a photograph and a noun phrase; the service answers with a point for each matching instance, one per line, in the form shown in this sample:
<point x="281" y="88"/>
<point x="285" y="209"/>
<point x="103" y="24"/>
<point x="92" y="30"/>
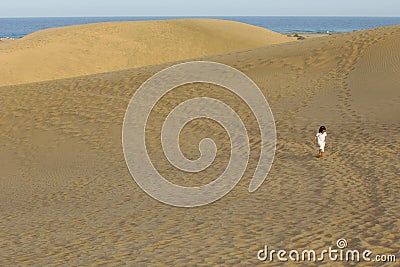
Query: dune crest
<point x="102" y="47"/>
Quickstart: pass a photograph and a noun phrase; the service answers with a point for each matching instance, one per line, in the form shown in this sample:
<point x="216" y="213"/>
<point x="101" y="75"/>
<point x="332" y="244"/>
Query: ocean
<point x="19" y="27"/>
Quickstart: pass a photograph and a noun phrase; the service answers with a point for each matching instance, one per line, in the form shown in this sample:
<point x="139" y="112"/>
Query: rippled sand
<point x="67" y="197"/>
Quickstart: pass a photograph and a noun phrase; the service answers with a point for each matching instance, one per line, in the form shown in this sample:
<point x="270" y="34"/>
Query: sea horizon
<point x="18" y="27"/>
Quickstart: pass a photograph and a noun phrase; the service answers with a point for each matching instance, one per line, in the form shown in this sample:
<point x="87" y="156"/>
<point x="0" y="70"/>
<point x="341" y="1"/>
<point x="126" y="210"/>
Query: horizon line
<point x="199" y="16"/>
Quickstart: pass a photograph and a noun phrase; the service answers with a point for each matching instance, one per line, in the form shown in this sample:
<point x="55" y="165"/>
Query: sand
<point x="68" y="199"/>
<point x="303" y="36"/>
<point x="103" y="47"/>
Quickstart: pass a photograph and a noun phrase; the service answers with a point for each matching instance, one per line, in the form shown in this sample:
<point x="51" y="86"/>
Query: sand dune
<point x="67" y="197"/>
<point x="103" y="47"/>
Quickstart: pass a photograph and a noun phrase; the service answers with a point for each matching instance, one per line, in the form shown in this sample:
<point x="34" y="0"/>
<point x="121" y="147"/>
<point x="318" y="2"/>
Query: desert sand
<point x="68" y="199"/>
<point x="103" y="47"/>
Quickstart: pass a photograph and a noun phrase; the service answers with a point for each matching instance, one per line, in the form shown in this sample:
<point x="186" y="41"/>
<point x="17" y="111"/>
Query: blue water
<point x="19" y="27"/>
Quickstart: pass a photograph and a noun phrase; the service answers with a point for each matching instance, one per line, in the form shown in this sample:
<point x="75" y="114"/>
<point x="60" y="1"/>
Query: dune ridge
<point x="67" y="197"/>
<point x="102" y="47"/>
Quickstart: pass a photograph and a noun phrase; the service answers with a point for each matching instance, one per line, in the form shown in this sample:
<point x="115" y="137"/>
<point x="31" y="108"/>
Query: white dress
<point x="321" y="140"/>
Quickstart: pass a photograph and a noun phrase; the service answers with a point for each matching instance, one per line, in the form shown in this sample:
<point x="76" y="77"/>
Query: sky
<point x="82" y="8"/>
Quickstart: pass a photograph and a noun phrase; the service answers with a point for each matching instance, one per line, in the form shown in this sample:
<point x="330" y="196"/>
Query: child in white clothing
<point x="320" y="138"/>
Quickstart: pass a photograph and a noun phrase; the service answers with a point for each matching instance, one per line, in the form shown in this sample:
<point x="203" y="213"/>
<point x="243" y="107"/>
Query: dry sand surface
<point x="68" y="199"/>
<point x="103" y="47"/>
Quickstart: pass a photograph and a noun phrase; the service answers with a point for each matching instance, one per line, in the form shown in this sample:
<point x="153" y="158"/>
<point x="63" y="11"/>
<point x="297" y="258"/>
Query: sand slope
<point x="67" y="197"/>
<point x="102" y="47"/>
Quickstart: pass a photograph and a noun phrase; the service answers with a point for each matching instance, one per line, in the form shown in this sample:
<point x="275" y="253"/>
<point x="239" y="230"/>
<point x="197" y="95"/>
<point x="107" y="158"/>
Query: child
<point x="321" y="137"/>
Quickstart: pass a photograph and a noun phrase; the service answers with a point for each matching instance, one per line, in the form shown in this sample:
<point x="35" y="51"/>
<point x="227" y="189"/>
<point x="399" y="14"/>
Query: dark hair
<point x="322" y="128"/>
